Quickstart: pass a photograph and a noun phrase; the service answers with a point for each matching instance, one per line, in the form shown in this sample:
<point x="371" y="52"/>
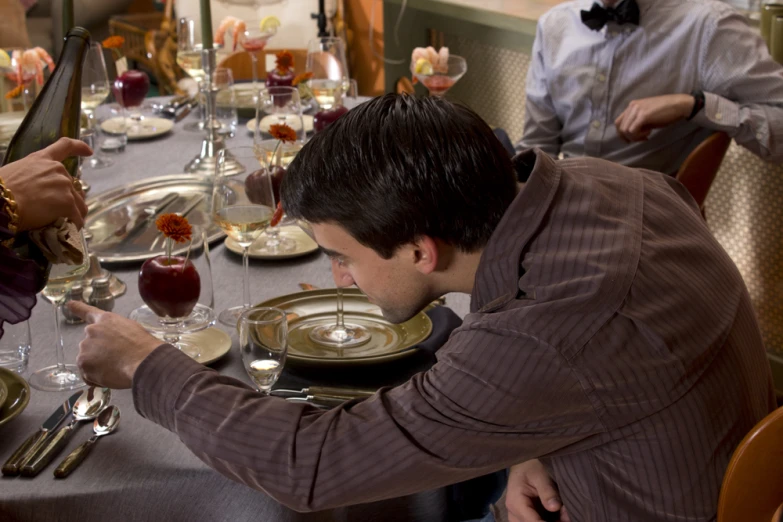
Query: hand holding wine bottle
<point x="43" y="188"/>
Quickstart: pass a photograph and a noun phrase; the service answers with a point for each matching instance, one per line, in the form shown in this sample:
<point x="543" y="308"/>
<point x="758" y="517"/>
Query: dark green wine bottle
<point x="55" y="114"/>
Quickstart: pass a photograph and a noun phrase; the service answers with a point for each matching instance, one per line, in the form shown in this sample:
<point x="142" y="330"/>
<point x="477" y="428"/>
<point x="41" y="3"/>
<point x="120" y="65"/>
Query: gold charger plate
<point x="309" y="309"/>
<point x="18" y="395"/>
<point x="3" y="393"/>
<point x="304" y="245"/>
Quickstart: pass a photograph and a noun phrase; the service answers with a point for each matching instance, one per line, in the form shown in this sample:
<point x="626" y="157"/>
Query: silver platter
<point x="118" y="209"/>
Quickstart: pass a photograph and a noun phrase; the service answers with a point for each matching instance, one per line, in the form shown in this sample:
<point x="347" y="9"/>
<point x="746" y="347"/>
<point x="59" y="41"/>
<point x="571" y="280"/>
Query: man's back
<point x="624" y="281"/>
<point x="581" y="80"/>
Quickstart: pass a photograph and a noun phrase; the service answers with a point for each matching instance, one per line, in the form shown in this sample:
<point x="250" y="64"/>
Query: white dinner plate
<point x="149" y="127"/>
<point x="212" y="343"/>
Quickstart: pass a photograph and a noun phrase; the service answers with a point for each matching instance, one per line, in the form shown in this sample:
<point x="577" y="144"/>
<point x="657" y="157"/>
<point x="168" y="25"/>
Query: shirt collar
<point x="498" y="273"/>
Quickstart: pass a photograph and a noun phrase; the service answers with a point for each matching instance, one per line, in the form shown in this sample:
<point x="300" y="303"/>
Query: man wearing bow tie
<point x="643" y="82"/>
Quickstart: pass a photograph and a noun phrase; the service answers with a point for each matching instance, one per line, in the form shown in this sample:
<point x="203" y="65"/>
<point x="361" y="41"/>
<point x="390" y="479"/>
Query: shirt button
<point x="759" y="136"/>
<point x="596" y="124"/>
<point x="718" y="116"/>
<point x="601" y="78"/>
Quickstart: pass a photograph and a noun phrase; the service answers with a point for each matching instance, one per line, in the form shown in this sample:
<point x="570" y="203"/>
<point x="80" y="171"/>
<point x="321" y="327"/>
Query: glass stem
<point x="246" y="265"/>
<point x="58" y="338"/>
<point x="254" y="58"/>
<point x="340" y="314"/>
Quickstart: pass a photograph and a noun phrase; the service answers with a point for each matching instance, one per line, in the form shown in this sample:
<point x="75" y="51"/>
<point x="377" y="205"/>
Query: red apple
<point x="257" y="189"/>
<point x="323" y="119"/>
<point x="169" y="286"/>
<point x="131" y="87"/>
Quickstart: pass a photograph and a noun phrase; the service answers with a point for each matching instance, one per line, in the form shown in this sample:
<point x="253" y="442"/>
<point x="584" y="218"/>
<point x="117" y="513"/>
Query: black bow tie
<point x="625" y="13"/>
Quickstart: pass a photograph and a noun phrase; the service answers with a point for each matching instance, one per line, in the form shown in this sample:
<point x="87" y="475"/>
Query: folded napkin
<point x="391" y="373"/>
<point x="59" y="242"/>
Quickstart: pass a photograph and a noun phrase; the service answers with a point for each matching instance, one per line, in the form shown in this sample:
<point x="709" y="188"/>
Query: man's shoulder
<point x="566" y="11"/>
<point x="695" y="12"/>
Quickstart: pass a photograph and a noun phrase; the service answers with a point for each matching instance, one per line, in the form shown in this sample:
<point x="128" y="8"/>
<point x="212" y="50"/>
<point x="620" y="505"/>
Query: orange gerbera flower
<point x="13" y="93"/>
<point x="284" y="61"/>
<point x="113" y="42"/>
<point x="301" y="78"/>
<point x="175" y="227"/>
<point x="282" y="132"/>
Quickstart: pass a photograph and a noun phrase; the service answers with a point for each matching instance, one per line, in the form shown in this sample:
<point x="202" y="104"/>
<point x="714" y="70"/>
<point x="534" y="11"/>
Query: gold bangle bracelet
<point x="8" y="204"/>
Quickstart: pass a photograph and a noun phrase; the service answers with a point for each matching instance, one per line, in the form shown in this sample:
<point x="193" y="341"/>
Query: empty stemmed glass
<point x="263" y="341"/>
<point x="61" y="376"/>
<point x="340" y="334"/>
<point x="242" y="205"/>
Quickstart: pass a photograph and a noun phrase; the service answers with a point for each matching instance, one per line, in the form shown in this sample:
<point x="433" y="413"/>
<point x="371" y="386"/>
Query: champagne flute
<point x="61" y="376"/>
<point x="263" y="341"/>
<point x="95" y="90"/>
<point x="330" y="80"/>
<point x="280" y="105"/>
<point x="242" y="205"/>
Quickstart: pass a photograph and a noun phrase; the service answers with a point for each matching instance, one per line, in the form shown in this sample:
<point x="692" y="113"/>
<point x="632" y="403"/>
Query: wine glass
<point x="340" y="334"/>
<point x="130" y="89"/>
<point x="439" y="82"/>
<point x="61" y="376"/>
<point x="95" y="90"/>
<point x="189" y="59"/>
<point x="242" y="205"/>
<point x="330" y="80"/>
<point x="263" y="341"/>
<point x="280" y="105"/>
<point x="253" y="40"/>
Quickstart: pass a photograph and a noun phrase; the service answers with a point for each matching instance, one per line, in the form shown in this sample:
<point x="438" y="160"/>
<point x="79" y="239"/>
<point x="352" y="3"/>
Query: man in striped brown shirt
<point x="610" y="336"/>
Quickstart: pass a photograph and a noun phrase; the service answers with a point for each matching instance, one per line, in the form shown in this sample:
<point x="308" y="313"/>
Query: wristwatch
<point x="698" y="103"/>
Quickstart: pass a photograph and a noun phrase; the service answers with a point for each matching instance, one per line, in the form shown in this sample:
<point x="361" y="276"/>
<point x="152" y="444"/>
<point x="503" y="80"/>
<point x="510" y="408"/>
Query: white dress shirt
<point x="581" y="80"/>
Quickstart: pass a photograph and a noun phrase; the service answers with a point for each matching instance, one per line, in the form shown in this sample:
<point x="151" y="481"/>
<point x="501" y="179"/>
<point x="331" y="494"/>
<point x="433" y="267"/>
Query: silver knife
<point x="38" y="440"/>
<point x="152" y="214"/>
<point x="181" y="115"/>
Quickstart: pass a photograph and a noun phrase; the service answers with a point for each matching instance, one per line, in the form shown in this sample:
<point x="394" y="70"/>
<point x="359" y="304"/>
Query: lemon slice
<point x="5" y="60"/>
<point x="270" y="23"/>
<point x="423" y="66"/>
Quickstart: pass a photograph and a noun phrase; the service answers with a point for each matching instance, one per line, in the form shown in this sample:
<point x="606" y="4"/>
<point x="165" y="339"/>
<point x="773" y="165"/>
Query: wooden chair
<point x="753" y="485"/>
<point x="241" y="64"/>
<point x="700" y="167"/>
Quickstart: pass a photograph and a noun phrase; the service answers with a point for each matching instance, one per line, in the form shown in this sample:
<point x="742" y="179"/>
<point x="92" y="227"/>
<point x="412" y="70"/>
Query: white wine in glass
<point x="242" y="205"/>
<point x="93" y="96"/>
<point x="61" y="376"/>
<point x="263" y="341"/>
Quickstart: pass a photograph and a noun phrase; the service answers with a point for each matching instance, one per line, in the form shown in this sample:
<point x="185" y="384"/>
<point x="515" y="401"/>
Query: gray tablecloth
<point x="143" y="472"/>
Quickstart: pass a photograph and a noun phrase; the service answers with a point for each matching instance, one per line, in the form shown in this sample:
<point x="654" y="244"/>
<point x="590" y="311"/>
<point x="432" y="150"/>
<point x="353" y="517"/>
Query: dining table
<point x="142" y="471"/>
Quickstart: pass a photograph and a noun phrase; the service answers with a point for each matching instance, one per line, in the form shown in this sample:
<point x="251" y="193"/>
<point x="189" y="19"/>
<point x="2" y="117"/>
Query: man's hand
<point x="113" y="347"/>
<point x="43" y="189"/>
<point x="639" y="119"/>
<point x="529" y="488"/>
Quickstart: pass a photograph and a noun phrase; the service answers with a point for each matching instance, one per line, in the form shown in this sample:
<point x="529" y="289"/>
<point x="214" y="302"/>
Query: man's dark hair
<point x="398" y="167"/>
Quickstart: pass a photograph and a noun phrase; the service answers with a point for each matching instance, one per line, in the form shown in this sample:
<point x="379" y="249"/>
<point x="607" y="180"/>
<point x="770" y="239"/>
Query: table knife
<point x="328" y="392"/>
<point x="181" y="115"/>
<point x="38" y="440"/>
<point x="151" y="215"/>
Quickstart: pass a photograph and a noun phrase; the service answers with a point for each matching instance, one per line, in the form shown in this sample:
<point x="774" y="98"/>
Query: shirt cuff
<point x="158" y="382"/>
<point x="719" y="114"/>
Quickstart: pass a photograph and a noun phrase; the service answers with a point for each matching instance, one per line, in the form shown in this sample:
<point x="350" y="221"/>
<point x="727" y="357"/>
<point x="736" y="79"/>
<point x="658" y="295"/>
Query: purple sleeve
<point x="18" y="280"/>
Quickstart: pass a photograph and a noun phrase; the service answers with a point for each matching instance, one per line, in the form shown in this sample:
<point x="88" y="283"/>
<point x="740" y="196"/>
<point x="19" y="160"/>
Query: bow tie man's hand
<point x="639" y="119"/>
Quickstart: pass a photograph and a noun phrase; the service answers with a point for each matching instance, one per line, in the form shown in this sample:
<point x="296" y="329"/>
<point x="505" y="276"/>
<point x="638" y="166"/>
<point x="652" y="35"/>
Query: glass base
<point x="340" y="337"/>
<point x="189" y="349"/>
<point x="275" y="245"/>
<point x="201" y="318"/>
<point x="55" y="379"/>
<point x="194" y="126"/>
<point x="98" y="162"/>
<point x="230" y="316"/>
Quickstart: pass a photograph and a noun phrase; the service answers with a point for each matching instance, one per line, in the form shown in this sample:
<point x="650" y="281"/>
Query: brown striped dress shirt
<point x="610" y="336"/>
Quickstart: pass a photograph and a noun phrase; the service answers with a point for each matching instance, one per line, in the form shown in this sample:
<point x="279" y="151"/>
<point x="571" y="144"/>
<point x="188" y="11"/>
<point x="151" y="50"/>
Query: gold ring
<point x="77" y="184"/>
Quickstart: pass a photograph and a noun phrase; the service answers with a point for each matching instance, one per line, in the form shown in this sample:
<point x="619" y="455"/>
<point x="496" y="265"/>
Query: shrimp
<point x="220" y="35"/>
<point x="16" y="57"/>
<point x="32" y="60"/>
<point x="443" y="59"/>
<point x="43" y="55"/>
<point x="237" y="28"/>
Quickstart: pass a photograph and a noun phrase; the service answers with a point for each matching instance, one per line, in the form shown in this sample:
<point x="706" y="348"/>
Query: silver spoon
<point x="87" y="407"/>
<point x="107" y="422"/>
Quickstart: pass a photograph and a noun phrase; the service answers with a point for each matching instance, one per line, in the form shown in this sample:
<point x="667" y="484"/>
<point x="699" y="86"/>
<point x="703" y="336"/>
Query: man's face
<point x="395" y="284"/>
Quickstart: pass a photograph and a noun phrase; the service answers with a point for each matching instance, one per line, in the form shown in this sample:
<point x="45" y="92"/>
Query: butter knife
<point x="152" y="214"/>
<point x="316" y="392"/>
<point x="38" y="440"/>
